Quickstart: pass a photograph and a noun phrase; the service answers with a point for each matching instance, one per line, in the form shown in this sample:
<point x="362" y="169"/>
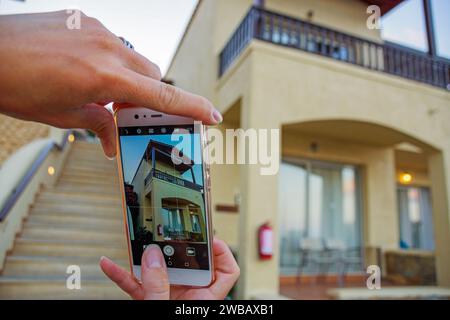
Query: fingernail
<point x="106" y="259"/>
<point x="110" y="158"/>
<point x="154" y="256"/>
<point x="217" y="116"/>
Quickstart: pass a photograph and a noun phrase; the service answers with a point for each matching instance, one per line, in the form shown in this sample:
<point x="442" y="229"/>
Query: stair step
<point x="81" y="207"/>
<point x="86" y="190"/>
<point x="77" y="211"/>
<point x="34" y="231"/>
<point x="87" y="144"/>
<point x="46" y="266"/>
<point x="90" y="159"/>
<point x="61" y="220"/>
<point x="61" y="248"/>
<point x="24" y="288"/>
<point x="88" y="187"/>
<point x="100" y="225"/>
<point x="88" y="176"/>
<point x="55" y="197"/>
<point x="94" y="163"/>
<point x="70" y="179"/>
<point x="100" y="171"/>
<point x="81" y="152"/>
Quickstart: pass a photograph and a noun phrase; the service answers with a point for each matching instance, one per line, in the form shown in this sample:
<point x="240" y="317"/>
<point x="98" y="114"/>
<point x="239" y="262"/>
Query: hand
<point x="63" y="77"/>
<point x="155" y="281"/>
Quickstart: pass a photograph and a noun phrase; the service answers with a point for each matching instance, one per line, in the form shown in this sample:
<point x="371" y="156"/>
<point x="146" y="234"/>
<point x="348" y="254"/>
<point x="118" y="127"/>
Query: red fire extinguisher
<point x="265" y="241"/>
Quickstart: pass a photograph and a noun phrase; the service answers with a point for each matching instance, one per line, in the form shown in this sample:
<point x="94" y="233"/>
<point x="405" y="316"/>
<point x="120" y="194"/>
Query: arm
<point x="63" y="77"/>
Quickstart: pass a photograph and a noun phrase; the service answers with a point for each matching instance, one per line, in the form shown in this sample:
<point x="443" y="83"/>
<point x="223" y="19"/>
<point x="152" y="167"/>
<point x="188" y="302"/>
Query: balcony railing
<point x="154" y="173"/>
<point x="294" y="33"/>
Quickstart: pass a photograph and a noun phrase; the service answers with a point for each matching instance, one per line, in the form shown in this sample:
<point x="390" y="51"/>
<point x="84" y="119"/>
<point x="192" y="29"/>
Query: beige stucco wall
<point x="346" y="16"/>
<point x="225" y="190"/>
<point x="16" y="133"/>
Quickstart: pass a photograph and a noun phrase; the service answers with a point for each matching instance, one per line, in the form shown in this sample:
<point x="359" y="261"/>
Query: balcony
<point x="154" y="173"/>
<point x="294" y="33"/>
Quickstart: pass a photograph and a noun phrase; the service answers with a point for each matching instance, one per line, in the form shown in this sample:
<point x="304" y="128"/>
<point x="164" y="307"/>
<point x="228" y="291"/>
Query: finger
<point x="103" y="103"/>
<point x="227" y="270"/>
<point x="224" y="260"/>
<point x="155" y="280"/>
<point x="122" y="278"/>
<point x="147" y="92"/>
<point x="98" y="119"/>
<point x="140" y="64"/>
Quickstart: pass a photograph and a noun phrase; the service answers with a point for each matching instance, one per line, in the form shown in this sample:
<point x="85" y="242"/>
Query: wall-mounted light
<point x="71" y="138"/>
<point x="405" y="178"/>
<point x="51" y="170"/>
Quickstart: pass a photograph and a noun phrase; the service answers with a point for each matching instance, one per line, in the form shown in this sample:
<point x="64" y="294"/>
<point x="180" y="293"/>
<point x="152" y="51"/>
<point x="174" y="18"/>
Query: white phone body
<point x="133" y="117"/>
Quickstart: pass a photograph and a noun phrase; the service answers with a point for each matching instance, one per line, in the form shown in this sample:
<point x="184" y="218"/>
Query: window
<point x="441" y="17"/>
<point x="195" y="223"/>
<point x="415" y="217"/>
<point x="172" y="221"/>
<point x="405" y="25"/>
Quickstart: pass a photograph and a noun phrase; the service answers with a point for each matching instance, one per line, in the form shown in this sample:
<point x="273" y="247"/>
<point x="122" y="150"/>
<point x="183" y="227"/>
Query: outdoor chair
<point x="352" y="257"/>
<point x="344" y="257"/>
<point x="313" y="252"/>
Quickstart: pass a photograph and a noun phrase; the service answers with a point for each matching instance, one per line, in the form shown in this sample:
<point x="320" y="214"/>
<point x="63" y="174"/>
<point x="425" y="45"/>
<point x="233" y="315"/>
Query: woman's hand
<point x="63" y="77"/>
<point x="155" y="281"/>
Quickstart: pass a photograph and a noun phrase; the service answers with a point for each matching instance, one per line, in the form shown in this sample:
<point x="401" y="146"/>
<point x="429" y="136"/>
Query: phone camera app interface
<point x="164" y="191"/>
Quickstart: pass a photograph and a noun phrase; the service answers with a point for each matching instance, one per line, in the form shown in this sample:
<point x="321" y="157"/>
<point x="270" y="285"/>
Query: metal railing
<point x="154" y="173"/>
<point x="23" y="183"/>
<point x="294" y="33"/>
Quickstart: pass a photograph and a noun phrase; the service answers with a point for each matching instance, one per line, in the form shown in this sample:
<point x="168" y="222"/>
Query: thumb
<point x="97" y="118"/>
<point x="155" y="280"/>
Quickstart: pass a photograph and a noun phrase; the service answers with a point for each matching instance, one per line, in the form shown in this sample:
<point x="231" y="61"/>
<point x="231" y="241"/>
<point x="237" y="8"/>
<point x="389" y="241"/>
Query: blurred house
<point x="365" y="172"/>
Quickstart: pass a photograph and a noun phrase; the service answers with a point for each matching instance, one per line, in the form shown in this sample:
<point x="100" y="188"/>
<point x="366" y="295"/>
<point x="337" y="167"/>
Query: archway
<point x="378" y="159"/>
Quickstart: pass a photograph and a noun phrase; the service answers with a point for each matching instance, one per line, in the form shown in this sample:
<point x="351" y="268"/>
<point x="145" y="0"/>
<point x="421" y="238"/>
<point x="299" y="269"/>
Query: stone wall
<point x="410" y="267"/>
<point x="17" y="133"/>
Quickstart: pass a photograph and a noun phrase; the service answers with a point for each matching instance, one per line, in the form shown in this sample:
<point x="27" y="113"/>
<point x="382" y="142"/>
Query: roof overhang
<point x="385" y="5"/>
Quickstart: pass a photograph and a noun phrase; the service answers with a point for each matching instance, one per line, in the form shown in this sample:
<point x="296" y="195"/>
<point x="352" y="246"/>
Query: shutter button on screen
<point x="168" y="251"/>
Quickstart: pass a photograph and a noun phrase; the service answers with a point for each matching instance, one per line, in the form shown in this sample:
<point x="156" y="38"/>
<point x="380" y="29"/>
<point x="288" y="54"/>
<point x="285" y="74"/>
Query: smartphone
<point x="165" y="184"/>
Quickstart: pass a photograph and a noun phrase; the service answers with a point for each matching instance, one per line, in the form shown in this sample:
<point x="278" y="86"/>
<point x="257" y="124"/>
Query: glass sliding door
<point x="415" y="217"/>
<point x="292" y="197"/>
<point x="320" y="201"/>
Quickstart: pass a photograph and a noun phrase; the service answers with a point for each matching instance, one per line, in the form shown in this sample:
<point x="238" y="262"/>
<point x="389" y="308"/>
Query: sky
<point x="155" y="27"/>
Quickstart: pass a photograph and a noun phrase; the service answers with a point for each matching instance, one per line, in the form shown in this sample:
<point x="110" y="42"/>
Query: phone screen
<point x="164" y="189"/>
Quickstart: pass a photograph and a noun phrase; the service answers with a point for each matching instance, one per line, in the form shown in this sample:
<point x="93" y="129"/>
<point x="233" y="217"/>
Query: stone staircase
<point x="73" y="223"/>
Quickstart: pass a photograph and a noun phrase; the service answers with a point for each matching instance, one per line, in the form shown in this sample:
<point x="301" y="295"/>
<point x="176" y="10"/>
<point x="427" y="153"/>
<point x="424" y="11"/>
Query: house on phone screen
<point x="364" y="162"/>
<point x="171" y="205"/>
